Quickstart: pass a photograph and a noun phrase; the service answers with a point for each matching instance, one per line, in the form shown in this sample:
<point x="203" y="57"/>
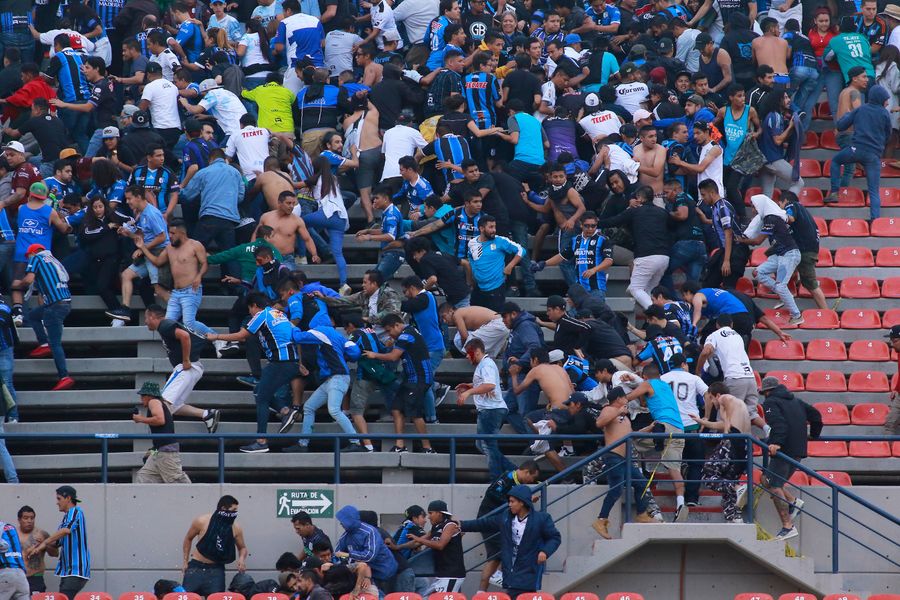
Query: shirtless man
<point x="187" y="262"/>
<point x="730" y="457"/>
<point x="30" y="536"/>
<point x="476" y="322"/>
<point x="652" y="158"/>
<point x="771" y="49"/>
<point x="551" y="378"/>
<point x="614" y="422"/>
<point x="287" y="226"/>
<point x="851" y="98"/>
<point x="271" y="183"/>
<point x="217" y="536"/>
<point x="369" y="156"/>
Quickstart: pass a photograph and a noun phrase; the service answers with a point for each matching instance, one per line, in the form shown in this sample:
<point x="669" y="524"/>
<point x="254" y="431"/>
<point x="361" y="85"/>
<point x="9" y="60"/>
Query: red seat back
<point x="414" y="596"/>
<point x="792" y="380"/>
<point x="271" y="596"/>
<point x="888" y="257"/>
<point x="49" y="596"/>
<point x="842" y="596"/>
<point x="860" y="287"/>
<point x="826" y="349"/>
<point x="624" y="596"/>
<point x="820" y="318"/>
<point x="745" y="286"/>
<point x="755" y="350"/>
<point x="811" y="141"/>
<point x="891" y="318"/>
<point x="863" y="318"/>
<point x="92" y="596"/>
<point x="826" y="381"/>
<point x="885" y="597"/>
<point x="833" y="413"/>
<point x="784" y="350"/>
<point x="869" y="414"/>
<point x="849" y="228"/>
<point x="797" y="596"/>
<point x="811" y="197"/>
<point x="182" y="596"/>
<point x="886" y="227"/>
<point x="531" y="596"/>
<point x="226" y="596"/>
<point x="579" y="596"/>
<point x="810" y="168"/>
<point x="828" y="140"/>
<point x="870" y="350"/>
<point x="868" y="381"/>
<point x="758" y="256"/>
<point x="150" y="596"/>
<point x="850" y="197"/>
<point x="827" y="449"/>
<point x="487" y="596"/>
<point x="870" y="449"/>
<point x="891" y="288"/>
<point x="837" y="477"/>
<point x="854" y="256"/>
<point x="753" y="596"/>
<point x="362" y="596"/>
<point x="799" y="479"/>
<point x="825" y="259"/>
<point x="890" y="197"/>
<point x="827" y="285"/>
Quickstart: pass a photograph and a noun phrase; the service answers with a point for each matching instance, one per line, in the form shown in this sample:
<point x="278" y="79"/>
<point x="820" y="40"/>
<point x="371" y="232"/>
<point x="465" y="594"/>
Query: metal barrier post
<point x="452" y="460"/>
<point x="221" y="460"/>
<point x="835" y="533"/>
<point x="544" y="499"/>
<point x="104" y="460"/>
<point x="337" y="460"/>
<point x="750" y="487"/>
<point x="627" y="490"/>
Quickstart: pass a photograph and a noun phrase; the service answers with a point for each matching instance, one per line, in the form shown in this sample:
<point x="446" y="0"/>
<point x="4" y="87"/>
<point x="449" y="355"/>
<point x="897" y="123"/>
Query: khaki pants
<point x="311" y="142"/>
<point x="162" y="467"/>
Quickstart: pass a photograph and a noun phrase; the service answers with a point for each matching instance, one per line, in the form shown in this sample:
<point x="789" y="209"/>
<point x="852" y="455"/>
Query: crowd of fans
<point x="168" y="137"/>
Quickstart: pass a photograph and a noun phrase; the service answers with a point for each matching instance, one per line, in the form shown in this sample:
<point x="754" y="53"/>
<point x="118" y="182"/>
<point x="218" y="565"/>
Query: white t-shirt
<point x="399" y="141"/>
<point x="253" y="55"/>
<point x="729" y="347"/>
<point x="163" y="98"/>
<point x="600" y="124"/>
<point x="226" y="108"/>
<point x="548" y="95"/>
<point x="714" y="169"/>
<point x="487" y="372"/>
<point x="518" y="530"/>
<point x="251" y="145"/>
<point x="383" y="19"/>
<point x="685" y="49"/>
<point x="416" y="15"/>
<point x="169" y="62"/>
<point x="339" y="51"/>
<point x="686" y="387"/>
<point x="630" y="95"/>
<point x="47" y="38"/>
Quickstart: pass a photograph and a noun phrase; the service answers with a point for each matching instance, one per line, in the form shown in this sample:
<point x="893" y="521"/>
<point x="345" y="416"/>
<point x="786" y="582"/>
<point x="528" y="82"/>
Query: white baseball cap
<point x="16" y="146"/>
<point x="208" y="84"/>
<point x="110" y="132"/>
<point x="557" y="355"/>
<point x="641" y="114"/>
<point x="592" y="99"/>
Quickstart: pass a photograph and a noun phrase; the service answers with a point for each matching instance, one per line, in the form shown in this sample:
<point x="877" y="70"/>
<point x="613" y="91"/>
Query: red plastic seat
<point x="828" y="286"/>
<point x="820" y="318"/>
<point x="869" y="350"/>
<point x="624" y="596"/>
<point x="362" y="596"/>
<point x="799" y="479"/>
<point x="842" y="596"/>
<point x="850" y="197"/>
<point x="458" y="596"/>
<point x="526" y="596"/>
<point x="822" y="226"/>
<point x="797" y="596"/>
<point x="890" y="197"/>
<point x="833" y="413"/>
<point x="870" y="449"/>
<point x="789" y="350"/>
<point x="745" y="286"/>
<point x="481" y="596"/>
<point x="92" y="596"/>
<point x="826" y="349"/>
<point x="885" y="597"/>
<point x="826" y="449"/>
<point x="755" y="350"/>
<point x="151" y="596"/>
<point x="854" y="256"/>
<point x="780" y="317"/>
<point x="751" y="191"/>
<point x="810" y="168"/>
<point x="48" y="596"/>
<point x="868" y="381"/>
<point x="826" y="381"/>
<point x="823" y="111"/>
<point x="277" y="596"/>
<point x="792" y="380"/>
<point x="579" y="596"/>
<point x="753" y="596"/>
<point x="891" y="288"/>
<point x="895" y="449"/>
<point x="860" y="287"/>
<point x="224" y="596"/>
<point x="863" y="318"/>
<point x="811" y="197"/>
<point x="888" y="257"/>
<point x="811" y="141"/>
<point x="891" y="318"/>
<point x="828" y="140"/>
<point x="849" y="228"/>
<point x="758" y="256"/>
<point x="838" y="477"/>
<point x="886" y="227"/>
<point x="181" y="596"/>
<point x="825" y="259"/>
<point x="869" y="414"/>
<point x="888" y="169"/>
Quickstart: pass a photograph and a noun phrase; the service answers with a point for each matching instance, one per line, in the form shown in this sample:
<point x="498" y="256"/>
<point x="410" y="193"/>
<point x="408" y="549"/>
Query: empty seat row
<point x="801" y="479"/>
<point x="833" y="381"/>
<point x="823" y="318"/>
<point x="803" y="596"/>
<point x="858" y="449"/>
<point x="849" y="256"/>
<point x="880" y="227"/>
<point x="821" y="349"/>
<point x="835" y="413"/>
<point x="848" y="197"/>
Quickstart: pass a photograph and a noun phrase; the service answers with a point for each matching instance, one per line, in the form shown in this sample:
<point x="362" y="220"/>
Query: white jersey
<point x="163" y="98"/>
<point x="714" y="169"/>
<point x="622" y="161"/>
<point x="600" y="124"/>
<point x="226" y="108"/>
<point x="729" y="348"/>
<point x="251" y="145"/>
<point x="630" y="95"/>
<point x="686" y="387"/>
<point x="383" y="19"/>
<point x="169" y="62"/>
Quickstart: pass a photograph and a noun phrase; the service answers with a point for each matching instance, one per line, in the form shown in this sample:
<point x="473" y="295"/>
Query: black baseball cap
<point x="894" y="332"/>
<point x="153" y="67"/>
<point x="556" y="301"/>
<point x="67" y="491"/>
<point x="438" y="506"/>
<point x="141" y="119"/>
<point x="702" y="40"/>
<point x="576" y="398"/>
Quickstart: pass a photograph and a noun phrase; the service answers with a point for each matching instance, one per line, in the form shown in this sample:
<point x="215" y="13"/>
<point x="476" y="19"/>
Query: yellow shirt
<point x="275" y="104"/>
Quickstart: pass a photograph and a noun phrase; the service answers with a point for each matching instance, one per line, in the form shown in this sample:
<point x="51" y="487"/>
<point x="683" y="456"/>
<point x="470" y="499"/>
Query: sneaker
<point x="212" y="420"/>
<point x="353" y="448"/>
<point x="741" y="500"/>
<point x="248" y="380"/>
<point x="692" y="503"/>
<point x="219" y="345"/>
<point x="345" y="290"/>
<point x="42" y="351"/>
<point x="681" y="514"/>
<point x="497" y="578"/>
<point x="440" y="394"/>
<point x="375" y="223"/>
<point x="658" y="517"/>
<point x="645" y="518"/>
<point x="399" y="449"/>
<point x="778" y="305"/>
<point x="63" y="384"/>
<point x="796" y="508"/>
<point x="565" y="451"/>
<point x="231" y="350"/>
<point x="18" y="320"/>
<point x="295" y="448"/>
<point x="255" y="448"/>
<point x="601" y="526"/>
<point x="798" y="320"/>
<point x="736" y="521"/>
<point x="120" y="314"/>
<point x="429" y="450"/>
<point x="289" y="418"/>
<point x="831" y="198"/>
<point x="786" y="534"/>
<point x="117" y="323"/>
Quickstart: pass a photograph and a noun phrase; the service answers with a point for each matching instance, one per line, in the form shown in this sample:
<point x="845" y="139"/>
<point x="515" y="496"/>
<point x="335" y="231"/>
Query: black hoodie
<point x="787" y="415"/>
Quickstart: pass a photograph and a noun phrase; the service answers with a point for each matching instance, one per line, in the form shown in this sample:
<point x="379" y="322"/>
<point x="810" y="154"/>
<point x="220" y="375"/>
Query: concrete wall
<point x="135" y="532"/>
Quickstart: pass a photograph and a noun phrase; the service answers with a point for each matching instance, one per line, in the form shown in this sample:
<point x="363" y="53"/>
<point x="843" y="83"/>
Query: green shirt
<point x="275" y="104"/>
<point x="243" y="254"/>
<point x="850" y="50"/>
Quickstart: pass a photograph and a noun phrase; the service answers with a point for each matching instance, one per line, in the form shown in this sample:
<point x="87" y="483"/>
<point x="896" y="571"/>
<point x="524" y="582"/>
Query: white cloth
<point x="764" y="206"/>
<point x="103" y="49"/>
<point x="646" y="275"/>
<point x="621" y="160"/>
<point x="399" y="141"/>
<point x="416" y="15"/>
<point x="600" y="124"/>
<point x="888" y="75"/>
<point x="251" y="145"/>
<point x="46" y="39"/>
<point x="729" y="349"/>
<point x="487" y="372"/>
<point x="180" y="384"/>
<point x="894" y="40"/>
<point x="253" y="54"/>
<point x="541" y="446"/>
<point x="685" y="50"/>
<point x="630" y="95"/>
<point x="494" y="334"/>
<point x="383" y="19"/>
<point x="339" y="51"/>
<point x="686" y="387"/>
<point x="226" y="108"/>
<point x="163" y="98"/>
<point x="714" y="169"/>
<point x="169" y="62"/>
<point x="332" y="203"/>
<point x="548" y="95"/>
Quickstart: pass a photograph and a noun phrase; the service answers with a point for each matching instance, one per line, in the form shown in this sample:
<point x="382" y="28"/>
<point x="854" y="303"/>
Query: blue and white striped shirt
<point x="74" y="556"/>
<point x="50" y="277"/>
<point x="274" y="332"/>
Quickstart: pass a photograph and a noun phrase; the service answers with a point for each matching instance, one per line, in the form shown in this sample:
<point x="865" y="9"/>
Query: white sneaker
<point x="540" y="447"/>
<point x="741" y="500"/>
<point x="18" y="320"/>
<point x="497" y="578"/>
<point x="796" y="508"/>
<point x="565" y="451"/>
<point x="798" y="320"/>
<point x="786" y="534"/>
<point x="219" y="345"/>
<point x="767" y="429"/>
<point x="117" y="323"/>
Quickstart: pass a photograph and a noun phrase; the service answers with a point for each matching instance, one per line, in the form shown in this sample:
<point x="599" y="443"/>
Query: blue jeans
<point x="47" y="322"/>
<point x="804" y="83"/>
<point x="871" y="162"/>
<point x="783" y="268"/>
<point x="330" y="391"/>
<point x="489" y="422"/>
<point x="95" y="143"/>
<point x="521" y="404"/>
<point x="436" y="357"/>
<point x="6" y="461"/>
<point x="518" y="231"/>
<point x="77" y="123"/>
<point x="389" y="262"/>
<point x="7" y="364"/>
<point x="615" y="466"/>
<point x="273" y="377"/>
<point x="689" y="255"/>
<point x="183" y="305"/>
<point x="335" y="227"/>
<point x="18" y="39"/>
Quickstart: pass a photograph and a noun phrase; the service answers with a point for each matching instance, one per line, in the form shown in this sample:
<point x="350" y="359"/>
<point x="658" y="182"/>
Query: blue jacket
<point x="541" y="535"/>
<point x="364" y="544"/>
<point x="871" y="122"/>
<point x="704" y="114"/>
<point x="525" y="336"/>
<point x="333" y="349"/>
<point x="220" y="187"/>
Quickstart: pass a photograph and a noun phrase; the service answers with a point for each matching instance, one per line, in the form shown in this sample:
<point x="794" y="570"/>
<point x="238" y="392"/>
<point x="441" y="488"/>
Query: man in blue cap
<point x="528" y="538"/>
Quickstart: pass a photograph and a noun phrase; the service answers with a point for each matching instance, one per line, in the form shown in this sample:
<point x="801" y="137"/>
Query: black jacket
<point x="787" y="415"/>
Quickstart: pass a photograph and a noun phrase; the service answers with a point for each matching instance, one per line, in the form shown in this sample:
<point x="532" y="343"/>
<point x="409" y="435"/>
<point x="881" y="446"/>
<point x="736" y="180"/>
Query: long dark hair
<point x="772" y="102"/>
<point x="90" y="219"/>
<point x="104" y="172"/>
<point x="888" y="54"/>
<point x="322" y="166"/>
<point x="256" y="26"/>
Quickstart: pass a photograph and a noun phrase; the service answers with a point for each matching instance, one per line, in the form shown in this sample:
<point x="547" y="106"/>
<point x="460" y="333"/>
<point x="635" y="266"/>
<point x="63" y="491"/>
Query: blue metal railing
<point x="628" y="441"/>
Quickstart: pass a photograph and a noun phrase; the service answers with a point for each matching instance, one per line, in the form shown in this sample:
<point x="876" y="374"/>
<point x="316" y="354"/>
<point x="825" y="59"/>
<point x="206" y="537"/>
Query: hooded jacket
<point x="525" y="336"/>
<point x="871" y="122"/>
<point x="541" y="535"/>
<point x="787" y="415"/>
<point x="364" y="544"/>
